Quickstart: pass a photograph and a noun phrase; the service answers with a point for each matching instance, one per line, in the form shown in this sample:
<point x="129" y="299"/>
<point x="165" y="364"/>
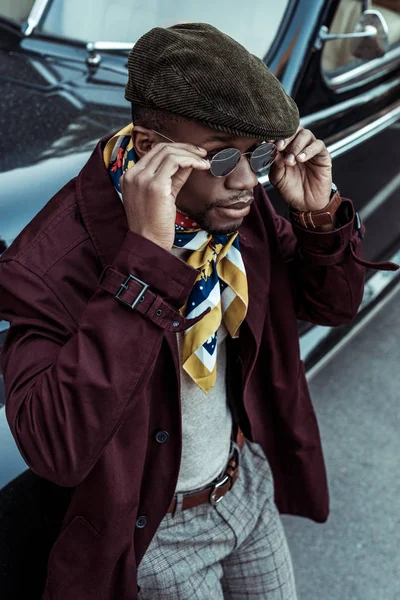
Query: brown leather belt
<point x="216" y="491"/>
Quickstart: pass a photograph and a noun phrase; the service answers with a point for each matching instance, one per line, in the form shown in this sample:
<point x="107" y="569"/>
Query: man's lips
<point x="238" y="205"/>
<point x="236" y="210"/>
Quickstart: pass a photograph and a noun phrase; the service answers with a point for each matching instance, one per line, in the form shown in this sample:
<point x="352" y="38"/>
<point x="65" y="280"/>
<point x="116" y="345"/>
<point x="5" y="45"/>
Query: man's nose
<point x="242" y="178"/>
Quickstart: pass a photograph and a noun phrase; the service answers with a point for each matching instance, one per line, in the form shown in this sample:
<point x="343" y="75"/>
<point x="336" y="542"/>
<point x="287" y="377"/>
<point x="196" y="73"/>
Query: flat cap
<point x="196" y="71"/>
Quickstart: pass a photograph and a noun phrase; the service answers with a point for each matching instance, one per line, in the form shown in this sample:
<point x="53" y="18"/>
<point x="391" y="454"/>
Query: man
<point x="158" y="270"/>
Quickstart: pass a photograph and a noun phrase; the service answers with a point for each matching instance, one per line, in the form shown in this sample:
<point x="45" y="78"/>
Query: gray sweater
<point x="206" y="420"/>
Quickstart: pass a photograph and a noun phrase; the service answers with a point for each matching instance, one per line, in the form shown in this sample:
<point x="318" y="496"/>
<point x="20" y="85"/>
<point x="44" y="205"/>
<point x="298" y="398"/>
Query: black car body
<point x="59" y="96"/>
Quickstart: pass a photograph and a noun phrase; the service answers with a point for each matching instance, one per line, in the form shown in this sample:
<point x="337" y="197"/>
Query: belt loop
<point x="178" y="505"/>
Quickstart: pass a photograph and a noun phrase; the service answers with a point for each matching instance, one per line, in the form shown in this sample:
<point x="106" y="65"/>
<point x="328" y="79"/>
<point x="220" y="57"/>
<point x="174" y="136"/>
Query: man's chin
<point x="224" y="229"/>
<point x="220" y="227"/>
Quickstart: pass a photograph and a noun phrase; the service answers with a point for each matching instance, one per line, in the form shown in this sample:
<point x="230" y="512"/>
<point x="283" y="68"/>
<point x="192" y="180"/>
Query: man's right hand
<point x="150" y="187"/>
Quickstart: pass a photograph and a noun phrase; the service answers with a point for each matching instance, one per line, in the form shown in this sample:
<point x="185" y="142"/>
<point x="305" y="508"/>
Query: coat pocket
<point x="67" y="553"/>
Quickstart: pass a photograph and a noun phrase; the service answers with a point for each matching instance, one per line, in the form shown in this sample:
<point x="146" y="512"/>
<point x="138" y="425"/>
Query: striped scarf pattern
<point x="221" y="283"/>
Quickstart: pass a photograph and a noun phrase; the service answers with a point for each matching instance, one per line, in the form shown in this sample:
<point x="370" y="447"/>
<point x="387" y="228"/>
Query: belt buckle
<point x="213" y="499"/>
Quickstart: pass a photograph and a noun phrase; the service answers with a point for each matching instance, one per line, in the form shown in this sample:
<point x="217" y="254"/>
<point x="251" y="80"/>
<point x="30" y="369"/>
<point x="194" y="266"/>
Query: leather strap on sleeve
<point x="150" y="304"/>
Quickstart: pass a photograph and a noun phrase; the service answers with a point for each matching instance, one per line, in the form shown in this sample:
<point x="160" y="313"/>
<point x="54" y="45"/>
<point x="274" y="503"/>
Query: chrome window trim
<point x="386" y="118"/>
<point x="363" y="73"/>
<point x="348" y="105"/>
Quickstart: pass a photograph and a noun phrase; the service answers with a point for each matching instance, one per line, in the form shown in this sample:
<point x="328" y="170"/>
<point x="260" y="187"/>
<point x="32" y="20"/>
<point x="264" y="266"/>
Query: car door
<point x="352" y="104"/>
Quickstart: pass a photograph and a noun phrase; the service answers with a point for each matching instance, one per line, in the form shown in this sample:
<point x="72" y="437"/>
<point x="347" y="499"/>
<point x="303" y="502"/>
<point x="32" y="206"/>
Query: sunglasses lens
<point x="263" y="157"/>
<point x="224" y="162"/>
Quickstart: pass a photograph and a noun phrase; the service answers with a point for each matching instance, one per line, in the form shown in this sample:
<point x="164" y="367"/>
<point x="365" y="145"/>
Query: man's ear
<point x="143" y="140"/>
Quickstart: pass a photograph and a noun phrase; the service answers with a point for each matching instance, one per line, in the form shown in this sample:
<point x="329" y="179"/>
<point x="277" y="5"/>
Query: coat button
<point x="141" y="522"/>
<point x="162" y="436"/>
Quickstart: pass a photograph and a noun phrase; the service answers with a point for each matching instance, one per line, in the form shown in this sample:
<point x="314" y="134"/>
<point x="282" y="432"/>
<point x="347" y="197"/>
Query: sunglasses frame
<point x="211" y="156"/>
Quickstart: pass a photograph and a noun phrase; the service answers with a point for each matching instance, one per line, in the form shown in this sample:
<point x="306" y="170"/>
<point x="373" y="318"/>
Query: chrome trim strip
<point x="346" y="106"/>
<point x="94" y="59"/>
<point x="391" y="116"/>
<point x="34" y="16"/>
<point x="364" y="72"/>
<point x="373" y="288"/>
<point x="90" y="46"/>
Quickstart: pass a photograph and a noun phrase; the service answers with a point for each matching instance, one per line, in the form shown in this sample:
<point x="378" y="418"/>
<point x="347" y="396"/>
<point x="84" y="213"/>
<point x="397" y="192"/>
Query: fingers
<point x="314" y="150"/>
<point x="284" y="143"/>
<point x="160" y="150"/>
<point x="164" y="151"/>
<point x="292" y="148"/>
<point x="158" y="170"/>
<point x="302" y="147"/>
<point x="174" y="171"/>
<point x="150" y="163"/>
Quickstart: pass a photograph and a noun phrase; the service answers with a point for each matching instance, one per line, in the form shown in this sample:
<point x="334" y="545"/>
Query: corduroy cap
<point x="196" y="71"/>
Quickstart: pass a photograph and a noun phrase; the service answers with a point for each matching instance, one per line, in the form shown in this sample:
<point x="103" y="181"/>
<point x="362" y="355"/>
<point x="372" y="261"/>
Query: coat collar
<point x="101" y="208"/>
<point x="105" y="220"/>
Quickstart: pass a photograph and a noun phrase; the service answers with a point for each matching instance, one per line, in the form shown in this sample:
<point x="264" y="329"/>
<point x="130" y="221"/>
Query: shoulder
<point x="52" y="265"/>
<point x="49" y="236"/>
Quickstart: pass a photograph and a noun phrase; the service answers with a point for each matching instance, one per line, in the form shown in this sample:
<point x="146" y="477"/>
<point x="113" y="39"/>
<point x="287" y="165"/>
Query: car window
<point x="253" y="25"/>
<point x="336" y="54"/>
<point x="16" y="10"/>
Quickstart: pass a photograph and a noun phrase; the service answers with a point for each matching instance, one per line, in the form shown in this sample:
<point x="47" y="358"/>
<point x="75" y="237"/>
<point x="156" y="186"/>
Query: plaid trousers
<point x="234" y="550"/>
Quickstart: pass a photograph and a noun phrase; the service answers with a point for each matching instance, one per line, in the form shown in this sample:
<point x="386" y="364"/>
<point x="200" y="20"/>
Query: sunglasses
<point x="224" y="162"/>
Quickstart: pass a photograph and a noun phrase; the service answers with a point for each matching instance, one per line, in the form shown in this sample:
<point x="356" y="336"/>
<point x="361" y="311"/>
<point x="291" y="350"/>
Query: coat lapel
<point x="256" y="256"/>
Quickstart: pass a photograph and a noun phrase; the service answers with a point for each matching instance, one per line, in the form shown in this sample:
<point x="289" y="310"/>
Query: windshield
<point x="16" y="10"/>
<point x="254" y="24"/>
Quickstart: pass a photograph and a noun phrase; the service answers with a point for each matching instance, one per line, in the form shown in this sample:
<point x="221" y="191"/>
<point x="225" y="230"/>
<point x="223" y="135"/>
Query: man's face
<point x="205" y="198"/>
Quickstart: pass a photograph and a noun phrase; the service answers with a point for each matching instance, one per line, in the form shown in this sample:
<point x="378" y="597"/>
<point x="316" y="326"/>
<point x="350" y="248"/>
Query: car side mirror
<point x="374" y="46"/>
<point x="370" y="38"/>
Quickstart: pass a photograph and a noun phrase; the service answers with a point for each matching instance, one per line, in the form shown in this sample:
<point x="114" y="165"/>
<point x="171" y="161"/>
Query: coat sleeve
<point x="68" y="385"/>
<point x="326" y="269"/>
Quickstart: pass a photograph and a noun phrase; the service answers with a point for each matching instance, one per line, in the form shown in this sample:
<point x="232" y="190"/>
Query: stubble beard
<point x="206" y="224"/>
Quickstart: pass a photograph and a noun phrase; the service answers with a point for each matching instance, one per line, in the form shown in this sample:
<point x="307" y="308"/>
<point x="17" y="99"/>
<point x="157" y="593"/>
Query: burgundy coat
<point x="90" y="381"/>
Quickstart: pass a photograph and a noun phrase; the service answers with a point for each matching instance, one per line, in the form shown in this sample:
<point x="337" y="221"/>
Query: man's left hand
<point x="302" y="171"/>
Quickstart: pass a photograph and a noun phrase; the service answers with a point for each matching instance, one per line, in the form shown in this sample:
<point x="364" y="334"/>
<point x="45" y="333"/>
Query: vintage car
<point x="63" y="68"/>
